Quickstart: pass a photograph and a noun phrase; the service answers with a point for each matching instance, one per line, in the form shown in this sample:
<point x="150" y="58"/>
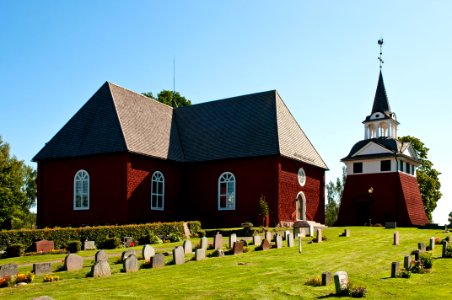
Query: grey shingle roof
<point x="118" y="120"/>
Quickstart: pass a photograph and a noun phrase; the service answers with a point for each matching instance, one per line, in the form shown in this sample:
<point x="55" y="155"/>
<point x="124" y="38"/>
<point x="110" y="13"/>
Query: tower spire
<point x="380" y="42"/>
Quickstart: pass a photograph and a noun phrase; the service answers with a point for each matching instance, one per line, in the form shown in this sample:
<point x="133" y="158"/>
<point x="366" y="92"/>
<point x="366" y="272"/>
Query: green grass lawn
<point x="274" y="274"/>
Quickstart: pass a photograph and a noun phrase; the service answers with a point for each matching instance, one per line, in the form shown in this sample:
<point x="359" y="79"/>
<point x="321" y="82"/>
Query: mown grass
<point x="273" y="274"/>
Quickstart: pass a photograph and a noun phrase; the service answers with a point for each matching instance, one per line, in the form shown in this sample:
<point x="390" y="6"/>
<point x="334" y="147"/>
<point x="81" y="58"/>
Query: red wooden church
<point x="125" y="158"/>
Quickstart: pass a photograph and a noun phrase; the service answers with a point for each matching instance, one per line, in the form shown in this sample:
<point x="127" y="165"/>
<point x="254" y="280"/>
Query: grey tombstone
<point x="147" y="252"/>
<point x="445" y="245"/>
<point x="257" y="240"/>
<point x="43" y="298"/>
<point x="416" y="254"/>
<point x="326" y="278"/>
<point x="127" y="253"/>
<point x="9" y="270"/>
<point x="347" y="232"/>
<point x="130" y="264"/>
<point x="127" y="240"/>
<point x="73" y="262"/>
<point x="200" y="254"/>
<point x="340" y="281"/>
<point x="396" y="240"/>
<point x="42" y="268"/>
<point x="407" y="262"/>
<point x="311" y="230"/>
<point x="237" y="248"/>
<point x="432" y="243"/>
<point x="268" y="235"/>
<point x="158" y="261"/>
<point x="101" y="255"/>
<point x="232" y="240"/>
<point x="204" y="243"/>
<point x="218" y="241"/>
<point x="395" y="266"/>
<point x="319" y="235"/>
<point x="278" y="241"/>
<point x="286" y="232"/>
<point x="265" y="244"/>
<point x="178" y="255"/>
<point x="188" y="248"/>
<point x="89" y="245"/>
<point x="421" y="246"/>
<point x="289" y="238"/>
<point x="101" y="269"/>
<point x="299" y="243"/>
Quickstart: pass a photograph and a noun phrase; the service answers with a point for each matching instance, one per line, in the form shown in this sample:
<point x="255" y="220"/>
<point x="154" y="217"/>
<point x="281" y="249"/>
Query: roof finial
<point x="380" y="42"/>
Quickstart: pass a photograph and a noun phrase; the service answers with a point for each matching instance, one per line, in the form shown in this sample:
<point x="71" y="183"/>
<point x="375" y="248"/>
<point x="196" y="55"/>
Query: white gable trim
<point x="371" y="148"/>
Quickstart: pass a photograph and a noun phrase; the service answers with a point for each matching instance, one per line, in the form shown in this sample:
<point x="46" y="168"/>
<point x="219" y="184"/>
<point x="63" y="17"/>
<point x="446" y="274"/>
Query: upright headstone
<point x="268" y="235"/>
<point x="407" y="262"/>
<point x="101" y="269"/>
<point x="396" y="238"/>
<point x="178" y="255"/>
<point x="42" y="268"/>
<point x="204" y="243"/>
<point x="289" y="238"/>
<point x="232" y="240"/>
<point x="347" y="232"/>
<point x="127" y="241"/>
<point x="395" y="266"/>
<point x="9" y="270"/>
<point x="218" y="241"/>
<point x="127" y="253"/>
<point x="73" y="262"/>
<point x="286" y="232"/>
<point x="237" y="248"/>
<point x="265" y="244"/>
<point x="319" y="235"/>
<point x="444" y="252"/>
<point x="130" y="264"/>
<point x="421" y="246"/>
<point x="311" y="230"/>
<point x="257" y="240"/>
<point x="326" y="278"/>
<point x="158" y="261"/>
<point x="89" y="245"/>
<point x="101" y="255"/>
<point x="340" y="281"/>
<point x="188" y="248"/>
<point x="303" y="232"/>
<point x="299" y="243"/>
<point x="416" y="254"/>
<point x="432" y="243"/>
<point x="44" y="246"/>
<point x="200" y="254"/>
<point x="278" y="241"/>
<point x="147" y="252"/>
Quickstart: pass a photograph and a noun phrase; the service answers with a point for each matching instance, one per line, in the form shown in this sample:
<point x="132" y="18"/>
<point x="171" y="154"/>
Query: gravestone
<point x="432" y="243"/>
<point x="44" y="246"/>
<point x="390" y="225"/>
<point x="237" y="248"/>
<point x="232" y="240"/>
<point x="42" y="268"/>
<point x="200" y="254"/>
<point x="445" y="245"/>
<point x="101" y="255"/>
<point x="101" y="269"/>
<point x="289" y="238"/>
<point x="396" y="238"/>
<point x="147" y="252"/>
<point x="257" y="240"/>
<point x="326" y="278"/>
<point x="178" y="255"/>
<point x="416" y="254"/>
<point x="127" y="253"/>
<point x="278" y="241"/>
<point x="73" y="262"/>
<point x="42" y="298"/>
<point x="89" y="245"/>
<point x="311" y="230"/>
<point x="285" y="234"/>
<point x="9" y="270"/>
<point x="395" y="266"/>
<point x="319" y="235"/>
<point x="303" y="232"/>
<point x="127" y="240"/>
<point x="265" y="244"/>
<point x="220" y="253"/>
<point x="130" y="264"/>
<point x="340" y="281"/>
<point x="346" y="233"/>
<point x="299" y="243"/>
<point x="204" y="243"/>
<point x="268" y="235"/>
<point x="407" y="262"/>
<point x="188" y="248"/>
<point x="218" y="241"/>
<point x="421" y="246"/>
<point x="158" y="261"/>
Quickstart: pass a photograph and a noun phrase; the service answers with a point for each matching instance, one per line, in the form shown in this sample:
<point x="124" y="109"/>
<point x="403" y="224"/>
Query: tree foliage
<point x="17" y="190"/>
<point x="334" y="193"/>
<point x="427" y="176"/>
<point x="173" y="99"/>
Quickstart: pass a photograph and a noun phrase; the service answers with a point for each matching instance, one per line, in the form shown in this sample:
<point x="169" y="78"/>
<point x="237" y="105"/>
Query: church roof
<point x="381" y="103"/>
<point x="119" y="120"/>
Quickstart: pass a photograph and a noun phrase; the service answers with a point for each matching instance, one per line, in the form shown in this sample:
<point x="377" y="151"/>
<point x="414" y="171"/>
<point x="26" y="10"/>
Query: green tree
<point x="427" y="176"/>
<point x="334" y="193"/>
<point x="264" y="210"/>
<point x="17" y="190"/>
<point x="450" y="219"/>
<point x="170" y="98"/>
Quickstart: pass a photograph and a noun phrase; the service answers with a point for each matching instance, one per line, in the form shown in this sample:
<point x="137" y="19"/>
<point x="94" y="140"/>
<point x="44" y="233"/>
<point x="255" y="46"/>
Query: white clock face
<point x="301" y="177"/>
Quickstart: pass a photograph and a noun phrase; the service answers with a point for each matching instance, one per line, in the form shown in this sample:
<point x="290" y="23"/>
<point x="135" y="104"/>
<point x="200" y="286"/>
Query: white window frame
<point x="301" y="177"/>
<point x="81" y="190"/>
<point x="228" y="179"/>
<point x="159" y="179"/>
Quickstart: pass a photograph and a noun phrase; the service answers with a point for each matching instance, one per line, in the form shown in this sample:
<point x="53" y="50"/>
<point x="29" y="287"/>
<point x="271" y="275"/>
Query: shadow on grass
<point x="332" y="295"/>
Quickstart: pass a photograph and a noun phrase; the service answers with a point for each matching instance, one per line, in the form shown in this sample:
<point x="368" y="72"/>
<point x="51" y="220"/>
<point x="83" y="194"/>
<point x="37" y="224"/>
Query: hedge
<point x="62" y="236"/>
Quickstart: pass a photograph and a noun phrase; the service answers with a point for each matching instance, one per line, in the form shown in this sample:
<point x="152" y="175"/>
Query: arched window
<point x="157" y="191"/>
<point x="226" y="191"/>
<point x="81" y="190"/>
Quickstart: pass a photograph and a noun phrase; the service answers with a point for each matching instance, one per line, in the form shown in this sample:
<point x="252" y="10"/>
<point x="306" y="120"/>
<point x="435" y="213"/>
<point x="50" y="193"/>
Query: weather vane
<point x="380" y="42"/>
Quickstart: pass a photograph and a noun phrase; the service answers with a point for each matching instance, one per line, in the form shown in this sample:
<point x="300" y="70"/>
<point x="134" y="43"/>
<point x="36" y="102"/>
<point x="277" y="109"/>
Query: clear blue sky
<point x="320" y="55"/>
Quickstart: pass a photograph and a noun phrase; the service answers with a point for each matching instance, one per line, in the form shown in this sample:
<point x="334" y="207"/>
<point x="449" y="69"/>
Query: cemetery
<point x="277" y="263"/>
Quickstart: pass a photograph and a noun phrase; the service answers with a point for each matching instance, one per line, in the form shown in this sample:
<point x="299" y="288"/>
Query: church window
<point x="157" y="191"/>
<point x="81" y="190"/>
<point x="357" y="167"/>
<point x="408" y="168"/>
<point x="301" y="177"/>
<point x="385" y="165"/>
<point x="226" y="191"/>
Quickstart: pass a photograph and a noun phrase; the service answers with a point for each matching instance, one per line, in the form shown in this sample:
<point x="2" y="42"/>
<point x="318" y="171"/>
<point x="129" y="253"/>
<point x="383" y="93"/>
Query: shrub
<point x="314" y="281"/>
<point x="174" y="237"/>
<point x="426" y="260"/>
<point x="438" y="241"/>
<point x="28" y="278"/>
<point x="417" y="267"/>
<point x="448" y="253"/>
<point x="355" y="291"/>
<point x="15" y="250"/>
<point x="111" y="243"/>
<point x="6" y="281"/>
<point x="51" y="278"/>
<point x="404" y="274"/>
<point x="247" y="229"/>
<point x="74" y="246"/>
